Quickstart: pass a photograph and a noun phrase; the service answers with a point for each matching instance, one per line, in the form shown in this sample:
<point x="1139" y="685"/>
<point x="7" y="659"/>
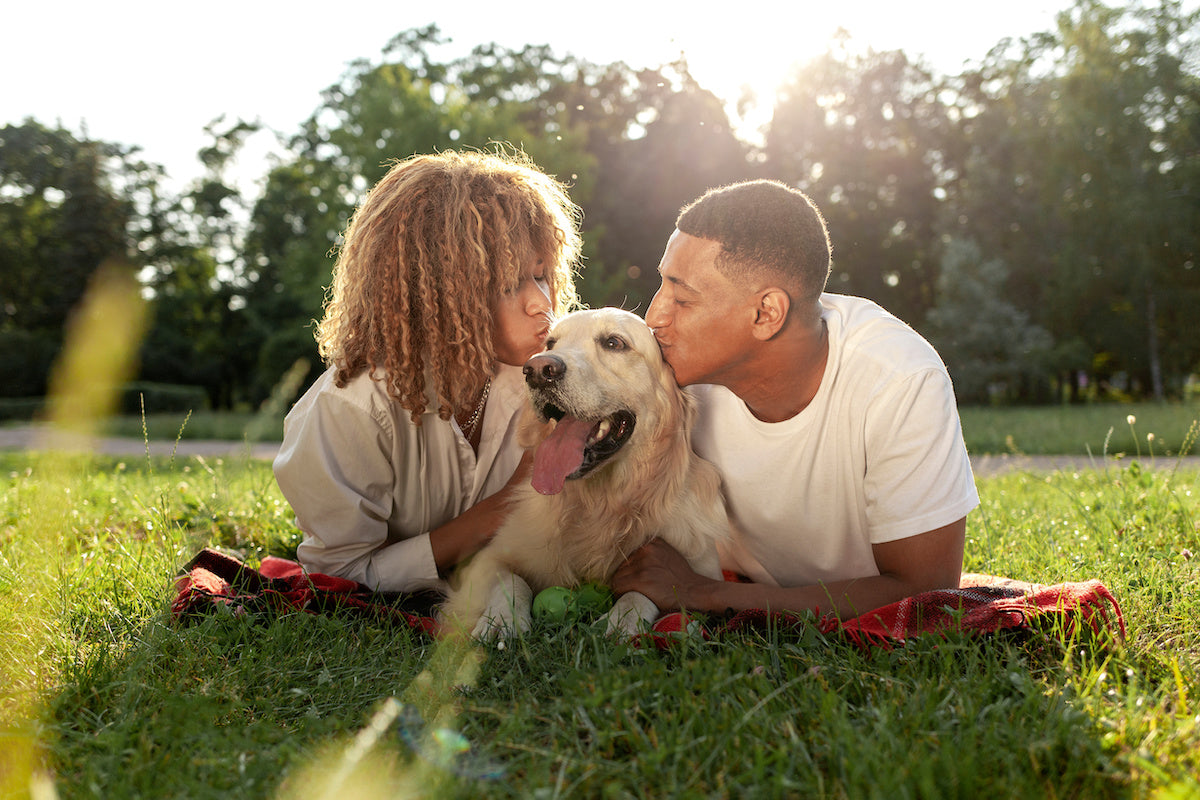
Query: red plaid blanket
<point x="213" y="579"/>
<point x="982" y="604"/>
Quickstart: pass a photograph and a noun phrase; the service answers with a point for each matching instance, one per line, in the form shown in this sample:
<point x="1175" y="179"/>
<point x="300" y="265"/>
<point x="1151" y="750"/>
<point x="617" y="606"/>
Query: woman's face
<point x="522" y="319"/>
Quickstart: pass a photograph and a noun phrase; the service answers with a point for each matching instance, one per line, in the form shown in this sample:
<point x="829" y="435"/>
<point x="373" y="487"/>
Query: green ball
<point x="553" y="604"/>
<point x="593" y="598"/>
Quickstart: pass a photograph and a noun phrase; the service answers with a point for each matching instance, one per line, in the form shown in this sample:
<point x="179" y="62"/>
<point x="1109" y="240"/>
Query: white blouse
<point x="367" y="485"/>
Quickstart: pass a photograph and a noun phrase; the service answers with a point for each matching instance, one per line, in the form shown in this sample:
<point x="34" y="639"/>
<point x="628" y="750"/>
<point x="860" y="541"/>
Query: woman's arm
<point x="464" y="535"/>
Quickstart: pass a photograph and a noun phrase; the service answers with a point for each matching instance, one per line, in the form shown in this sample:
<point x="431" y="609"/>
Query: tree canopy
<point x="1036" y="216"/>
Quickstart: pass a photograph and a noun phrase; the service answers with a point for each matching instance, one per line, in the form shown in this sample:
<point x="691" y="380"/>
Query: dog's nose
<point x="544" y="369"/>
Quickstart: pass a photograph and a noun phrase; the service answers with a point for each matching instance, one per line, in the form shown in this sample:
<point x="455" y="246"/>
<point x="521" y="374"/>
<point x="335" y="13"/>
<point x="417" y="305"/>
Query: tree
<point x="1070" y="159"/>
<point x="865" y="136"/>
<point x="1072" y="173"/>
<point x="60" y="219"/>
<point x="992" y="350"/>
<point x="1119" y="92"/>
<point x="193" y="247"/>
<point x="635" y="145"/>
<point x="677" y="143"/>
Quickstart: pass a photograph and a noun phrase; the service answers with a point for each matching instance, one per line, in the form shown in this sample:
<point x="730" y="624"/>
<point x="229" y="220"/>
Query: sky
<point x="154" y="74"/>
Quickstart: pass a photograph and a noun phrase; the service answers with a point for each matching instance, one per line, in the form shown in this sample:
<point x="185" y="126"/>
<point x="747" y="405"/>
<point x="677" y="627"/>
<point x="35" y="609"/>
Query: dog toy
<point x="559" y="604"/>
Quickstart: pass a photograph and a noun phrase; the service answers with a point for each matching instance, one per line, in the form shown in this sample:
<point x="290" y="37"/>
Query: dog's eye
<point x="550" y="344"/>
<point x="614" y="343"/>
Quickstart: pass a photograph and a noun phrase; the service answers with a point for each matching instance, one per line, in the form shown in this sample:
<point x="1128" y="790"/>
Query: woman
<point x="399" y="459"/>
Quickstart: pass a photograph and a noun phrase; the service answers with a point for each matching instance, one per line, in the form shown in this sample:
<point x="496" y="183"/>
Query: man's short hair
<point x="767" y="230"/>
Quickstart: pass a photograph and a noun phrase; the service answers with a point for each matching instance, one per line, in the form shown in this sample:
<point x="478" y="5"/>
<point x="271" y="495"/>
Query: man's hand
<point x="930" y="560"/>
<point x="658" y="571"/>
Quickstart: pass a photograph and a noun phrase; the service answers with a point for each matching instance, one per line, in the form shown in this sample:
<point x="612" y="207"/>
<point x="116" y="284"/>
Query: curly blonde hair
<point x="425" y="256"/>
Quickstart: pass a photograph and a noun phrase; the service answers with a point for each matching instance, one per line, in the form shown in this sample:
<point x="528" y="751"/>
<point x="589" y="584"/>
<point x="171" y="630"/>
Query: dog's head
<point x="603" y="382"/>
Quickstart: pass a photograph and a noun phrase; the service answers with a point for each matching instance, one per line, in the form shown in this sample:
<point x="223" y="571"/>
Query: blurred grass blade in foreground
<point x="98" y="355"/>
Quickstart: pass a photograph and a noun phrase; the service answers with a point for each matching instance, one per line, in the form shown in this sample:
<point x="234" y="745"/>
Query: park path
<point x="31" y="437"/>
<point x="26" y="437"/>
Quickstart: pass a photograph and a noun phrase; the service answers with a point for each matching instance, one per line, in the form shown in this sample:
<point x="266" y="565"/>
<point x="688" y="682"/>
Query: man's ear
<point x="771" y="312"/>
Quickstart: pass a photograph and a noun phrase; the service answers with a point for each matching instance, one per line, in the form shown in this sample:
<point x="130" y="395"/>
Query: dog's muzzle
<point x="579" y="443"/>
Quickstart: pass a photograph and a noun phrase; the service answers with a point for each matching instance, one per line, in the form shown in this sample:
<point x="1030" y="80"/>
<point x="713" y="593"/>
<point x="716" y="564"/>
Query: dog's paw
<point x="507" y="612"/>
<point x="499" y="626"/>
<point x="630" y="615"/>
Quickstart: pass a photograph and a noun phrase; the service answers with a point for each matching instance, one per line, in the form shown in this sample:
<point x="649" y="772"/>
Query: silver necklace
<point x="468" y="427"/>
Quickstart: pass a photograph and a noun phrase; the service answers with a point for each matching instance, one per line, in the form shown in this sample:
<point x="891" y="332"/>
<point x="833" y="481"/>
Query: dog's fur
<point x="597" y="364"/>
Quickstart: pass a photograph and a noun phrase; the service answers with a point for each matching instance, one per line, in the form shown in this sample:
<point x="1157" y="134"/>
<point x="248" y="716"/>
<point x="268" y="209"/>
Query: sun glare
<point x="749" y="52"/>
<point x="744" y="60"/>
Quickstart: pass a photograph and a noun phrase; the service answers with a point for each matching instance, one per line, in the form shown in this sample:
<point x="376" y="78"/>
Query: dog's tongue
<point x="560" y="454"/>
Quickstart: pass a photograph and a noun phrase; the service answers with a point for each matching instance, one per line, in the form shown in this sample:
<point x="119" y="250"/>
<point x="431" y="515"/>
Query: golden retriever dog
<point x="613" y="468"/>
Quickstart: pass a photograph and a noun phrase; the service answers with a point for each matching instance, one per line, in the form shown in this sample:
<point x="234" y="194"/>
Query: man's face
<point x="700" y="318"/>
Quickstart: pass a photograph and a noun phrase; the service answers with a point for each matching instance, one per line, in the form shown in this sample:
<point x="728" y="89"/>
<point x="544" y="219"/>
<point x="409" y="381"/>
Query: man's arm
<point x="930" y="560"/>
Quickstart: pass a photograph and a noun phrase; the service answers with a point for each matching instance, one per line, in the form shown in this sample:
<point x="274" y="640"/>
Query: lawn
<point x="1158" y="429"/>
<point x="104" y="695"/>
<point x="1132" y="429"/>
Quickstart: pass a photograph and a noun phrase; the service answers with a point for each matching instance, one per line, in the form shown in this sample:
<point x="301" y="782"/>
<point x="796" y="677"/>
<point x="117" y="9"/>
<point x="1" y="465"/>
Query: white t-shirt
<point x="368" y="485"/>
<point x="877" y="456"/>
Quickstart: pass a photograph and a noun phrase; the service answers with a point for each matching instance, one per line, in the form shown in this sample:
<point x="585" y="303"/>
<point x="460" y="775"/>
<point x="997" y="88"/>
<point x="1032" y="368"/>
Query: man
<point x="833" y="423"/>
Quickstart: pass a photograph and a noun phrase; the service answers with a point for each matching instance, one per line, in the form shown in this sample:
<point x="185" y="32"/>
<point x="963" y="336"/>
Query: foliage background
<point x="1035" y="216"/>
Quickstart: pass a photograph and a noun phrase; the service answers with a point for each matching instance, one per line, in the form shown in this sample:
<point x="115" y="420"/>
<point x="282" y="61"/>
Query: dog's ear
<point x="676" y="408"/>
<point x="532" y="431"/>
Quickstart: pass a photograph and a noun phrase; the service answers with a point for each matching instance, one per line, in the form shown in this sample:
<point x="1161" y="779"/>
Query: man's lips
<point x="664" y="347"/>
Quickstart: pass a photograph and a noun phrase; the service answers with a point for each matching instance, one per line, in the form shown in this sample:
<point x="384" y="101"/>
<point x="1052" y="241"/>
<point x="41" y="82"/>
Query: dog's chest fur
<point x="586" y="512"/>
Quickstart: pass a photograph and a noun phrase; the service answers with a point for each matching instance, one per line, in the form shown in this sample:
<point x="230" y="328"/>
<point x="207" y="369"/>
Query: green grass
<point x="1050" y="430"/>
<point x="1159" y="429"/>
<point x="116" y="700"/>
<point x="224" y="425"/>
<point x="1044" y="430"/>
